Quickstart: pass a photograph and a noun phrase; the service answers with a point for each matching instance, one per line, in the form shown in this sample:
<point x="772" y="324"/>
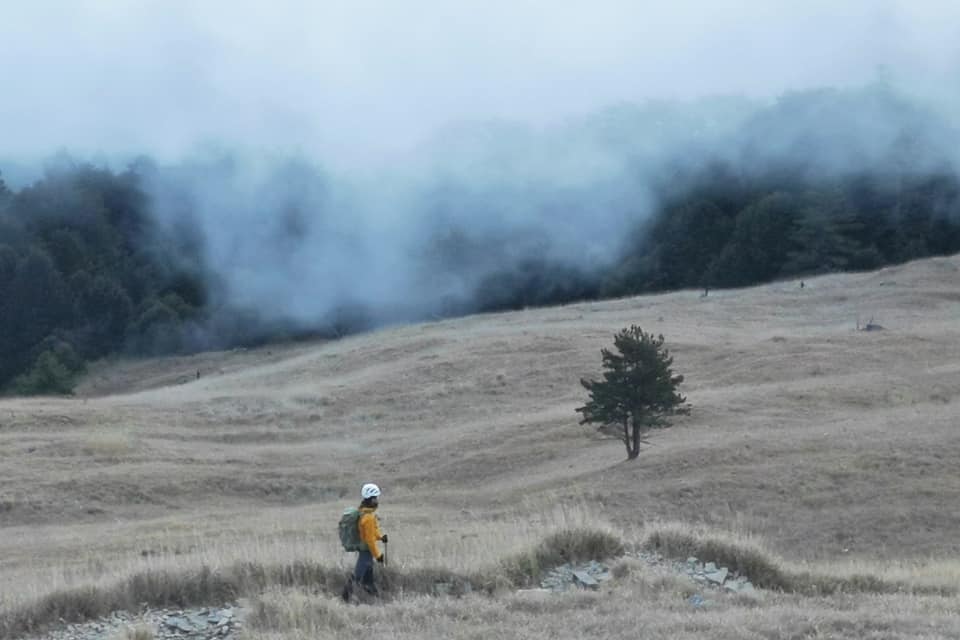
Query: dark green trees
<point x="638" y="390"/>
<point x="85" y="272"/>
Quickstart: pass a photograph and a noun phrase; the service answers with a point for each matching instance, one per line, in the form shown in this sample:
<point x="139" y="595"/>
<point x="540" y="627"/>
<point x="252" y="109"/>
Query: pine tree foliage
<point x="638" y="390"/>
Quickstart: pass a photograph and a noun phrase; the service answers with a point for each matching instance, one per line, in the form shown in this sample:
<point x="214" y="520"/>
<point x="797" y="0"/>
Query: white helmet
<point x="370" y="491"/>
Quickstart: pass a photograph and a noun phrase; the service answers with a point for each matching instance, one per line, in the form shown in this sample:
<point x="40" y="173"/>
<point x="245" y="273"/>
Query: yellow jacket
<point x="370" y="532"/>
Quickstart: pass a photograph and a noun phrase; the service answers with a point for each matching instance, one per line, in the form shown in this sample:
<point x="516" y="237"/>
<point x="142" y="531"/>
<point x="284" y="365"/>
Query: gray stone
<point x="442" y="588"/>
<point x="710" y="567"/>
<point x="717" y="577"/>
<point x="179" y="624"/>
<point x="741" y="586"/>
<point x="595" y="568"/>
<point x="198" y="620"/>
<point x="585" y="580"/>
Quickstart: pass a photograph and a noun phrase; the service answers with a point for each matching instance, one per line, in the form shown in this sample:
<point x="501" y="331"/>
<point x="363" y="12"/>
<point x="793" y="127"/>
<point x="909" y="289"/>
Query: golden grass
<point x="646" y="606"/>
<point x="109" y="444"/>
<point x="204" y="584"/>
<point x="819" y="458"/>
<point x="219" y="569"/>
<point x="299" y="595"/>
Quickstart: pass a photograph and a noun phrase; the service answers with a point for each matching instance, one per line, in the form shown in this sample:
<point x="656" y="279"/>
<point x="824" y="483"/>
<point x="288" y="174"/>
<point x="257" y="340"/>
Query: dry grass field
<point x="824" y="455"/>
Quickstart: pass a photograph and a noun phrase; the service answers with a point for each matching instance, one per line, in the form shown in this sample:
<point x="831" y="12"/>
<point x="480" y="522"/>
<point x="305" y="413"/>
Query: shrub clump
<point x="743" y="557"/>
<point x="569" y="545"/>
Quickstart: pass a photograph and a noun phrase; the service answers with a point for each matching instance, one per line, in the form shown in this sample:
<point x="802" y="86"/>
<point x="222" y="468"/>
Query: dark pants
<point x="363" y="573"/>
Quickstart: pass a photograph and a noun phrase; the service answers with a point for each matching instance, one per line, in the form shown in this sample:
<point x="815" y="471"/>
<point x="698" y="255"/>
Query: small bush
<point x="48" y="375"/>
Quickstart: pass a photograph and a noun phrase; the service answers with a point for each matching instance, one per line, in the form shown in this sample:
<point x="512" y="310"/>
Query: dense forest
<point x="728" y="230"/>
<point x="87" y="270"/>
<point x="83" y="274"/>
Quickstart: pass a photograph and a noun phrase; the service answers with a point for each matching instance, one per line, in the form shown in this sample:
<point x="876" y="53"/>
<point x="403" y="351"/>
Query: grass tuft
<point x="744" y="555"/>
<point x="569" y="545"/>
<point x="284" y="609"/>
<point x="741" y="555"/>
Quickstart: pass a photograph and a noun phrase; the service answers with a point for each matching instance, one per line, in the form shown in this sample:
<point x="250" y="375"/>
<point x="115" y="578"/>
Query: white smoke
<point x="363" y="146"/>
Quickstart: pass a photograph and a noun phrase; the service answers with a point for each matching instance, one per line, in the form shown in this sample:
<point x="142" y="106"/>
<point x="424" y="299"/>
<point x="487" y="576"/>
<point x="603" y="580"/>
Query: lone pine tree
<point x="638" y="390"/>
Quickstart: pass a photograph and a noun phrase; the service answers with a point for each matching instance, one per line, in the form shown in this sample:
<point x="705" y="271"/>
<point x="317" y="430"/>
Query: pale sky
<point x="353" y="80"/>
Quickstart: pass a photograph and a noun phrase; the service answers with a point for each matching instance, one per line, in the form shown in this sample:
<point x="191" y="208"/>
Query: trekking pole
<point x="384" y="554"/>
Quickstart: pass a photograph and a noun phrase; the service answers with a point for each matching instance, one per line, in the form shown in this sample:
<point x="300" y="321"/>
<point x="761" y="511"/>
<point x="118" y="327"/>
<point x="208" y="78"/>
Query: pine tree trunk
<point x="633" y="451"/>
<point x="626" y="436"/>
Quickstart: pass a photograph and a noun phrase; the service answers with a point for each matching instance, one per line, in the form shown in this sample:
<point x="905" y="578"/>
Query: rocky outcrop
<point x="711" y="575"/>
<point x="162" y="624"/>
<point x="585" y="576"/>
<point x="592" y="574"/>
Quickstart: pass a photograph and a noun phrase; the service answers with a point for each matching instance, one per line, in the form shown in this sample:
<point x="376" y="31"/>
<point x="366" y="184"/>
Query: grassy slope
<point x="831" y="445"/>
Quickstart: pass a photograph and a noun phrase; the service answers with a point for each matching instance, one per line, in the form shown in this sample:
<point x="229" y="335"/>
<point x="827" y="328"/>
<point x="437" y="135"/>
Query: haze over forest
<point x="183" y="176"/>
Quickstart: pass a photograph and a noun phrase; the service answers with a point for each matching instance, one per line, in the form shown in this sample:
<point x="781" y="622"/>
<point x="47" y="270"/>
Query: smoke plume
<point x="392" y="160"/>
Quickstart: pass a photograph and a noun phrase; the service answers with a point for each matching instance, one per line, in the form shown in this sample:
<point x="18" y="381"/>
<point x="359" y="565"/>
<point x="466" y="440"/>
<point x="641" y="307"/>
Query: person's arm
<point x="370" y="533"/>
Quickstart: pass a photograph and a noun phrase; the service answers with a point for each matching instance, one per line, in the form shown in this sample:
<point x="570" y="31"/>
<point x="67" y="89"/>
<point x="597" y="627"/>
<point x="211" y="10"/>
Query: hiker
<point x="363" y="539"/>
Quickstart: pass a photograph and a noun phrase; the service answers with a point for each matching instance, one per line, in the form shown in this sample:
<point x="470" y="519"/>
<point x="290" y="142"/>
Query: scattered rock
<point x="190" y="624"/>
<point x="741" y="585"/>
<point x="179" y="624"/>
<point x="452" y="588"/>
<point x="718" y="576"/>
<point x="226" y="622"/>
<point x="711" y="575"/>
<point x="584" y="576"/>
<point x="585" y="580"/>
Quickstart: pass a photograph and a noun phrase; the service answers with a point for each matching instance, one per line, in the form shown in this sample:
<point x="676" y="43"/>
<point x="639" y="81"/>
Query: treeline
<point x="730" y="231"/>
<point x="820" y="181"/>
<point x="84" y="272"/>
<point x="88" y="270"/>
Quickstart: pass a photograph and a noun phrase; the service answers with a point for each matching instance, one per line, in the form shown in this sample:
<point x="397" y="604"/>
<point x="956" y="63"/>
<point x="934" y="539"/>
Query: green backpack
<point x="350" y="530"/>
